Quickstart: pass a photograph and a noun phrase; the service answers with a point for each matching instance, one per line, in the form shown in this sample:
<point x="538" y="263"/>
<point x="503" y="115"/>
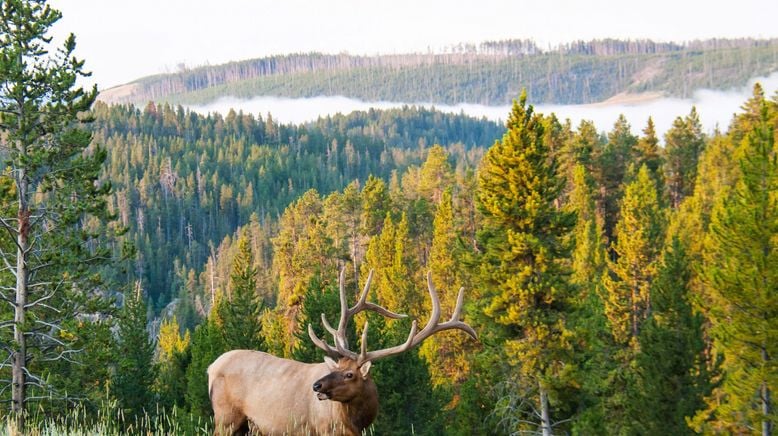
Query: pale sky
<point x="128" y="39"/>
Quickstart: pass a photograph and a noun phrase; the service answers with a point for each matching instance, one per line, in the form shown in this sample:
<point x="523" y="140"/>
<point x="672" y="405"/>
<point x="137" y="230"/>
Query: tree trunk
<point x="18" y="378"/>
<point x="767" y="424"/>
<point x="545" y="415"/>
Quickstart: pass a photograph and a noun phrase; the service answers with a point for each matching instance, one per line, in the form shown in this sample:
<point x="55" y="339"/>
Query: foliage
<point x="740" y="265"/>
<point x="134" y="372"/>
<point x="53" y="212"/>
<point x="524" y="243"/>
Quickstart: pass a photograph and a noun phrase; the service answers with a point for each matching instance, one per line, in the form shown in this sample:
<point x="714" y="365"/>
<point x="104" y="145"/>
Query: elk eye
<point x="349" y="375"/>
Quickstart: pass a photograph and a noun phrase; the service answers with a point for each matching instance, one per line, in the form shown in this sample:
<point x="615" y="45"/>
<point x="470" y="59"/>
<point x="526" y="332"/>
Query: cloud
<point x="715" y="108"/>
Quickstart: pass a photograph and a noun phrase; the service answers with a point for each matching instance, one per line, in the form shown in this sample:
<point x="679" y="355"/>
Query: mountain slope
<point x="492" y="74"/>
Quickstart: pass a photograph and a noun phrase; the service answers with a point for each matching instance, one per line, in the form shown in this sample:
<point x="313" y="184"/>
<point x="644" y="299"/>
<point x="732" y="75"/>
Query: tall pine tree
<point x="741" y="278"/>
<point x="524" y="252"/>
<point x="135" y="371"/>
<point x="53" y="187"/>
<point x="241" y="311"/>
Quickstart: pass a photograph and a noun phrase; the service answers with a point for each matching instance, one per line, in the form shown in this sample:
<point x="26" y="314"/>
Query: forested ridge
<point x="183" y="181"/>
<point x="492" y="73"/>
<point x="617" y="283"/>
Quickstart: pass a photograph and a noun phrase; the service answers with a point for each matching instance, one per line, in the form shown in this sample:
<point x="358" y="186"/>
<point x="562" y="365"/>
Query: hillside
<point x="492" y="73"/>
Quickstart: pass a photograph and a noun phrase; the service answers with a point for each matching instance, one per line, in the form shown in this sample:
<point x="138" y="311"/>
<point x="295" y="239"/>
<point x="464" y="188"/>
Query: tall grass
<point x="110" y="421"/>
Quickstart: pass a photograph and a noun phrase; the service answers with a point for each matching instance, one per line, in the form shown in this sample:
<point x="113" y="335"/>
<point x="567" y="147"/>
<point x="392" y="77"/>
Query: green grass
<point x="110" y="421"/>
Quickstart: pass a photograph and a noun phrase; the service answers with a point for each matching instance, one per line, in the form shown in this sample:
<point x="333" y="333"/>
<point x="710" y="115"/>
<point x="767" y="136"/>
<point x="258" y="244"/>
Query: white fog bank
<point x="715" y="108"/>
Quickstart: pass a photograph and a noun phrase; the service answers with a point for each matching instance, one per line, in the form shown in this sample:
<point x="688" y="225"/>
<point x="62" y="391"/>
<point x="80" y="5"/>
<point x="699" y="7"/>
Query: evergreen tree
<point x="648" y="153"/>
<point x="639" y="233"/>
<point x="53" y="187"/>
<point x="589" y="252"/>
<point x="446" y="353"/>
<point x="579" y="149"/>
<point x="684" y="143"/>
<point x="135" y="371"/>
<point x="523" y="240"/>
<point x="241" y="311"/>
<point x="671" y="366"/>
<point x="627" y="298"/>
<point x="207" y="346"/>
<point x="612" y="163"/>
<point x="173" y="357"/>
<point x="435" y="175"/>
<point x="321" y="298"/>
<point x="409" y="405"/>
<point x="741" y="278"/>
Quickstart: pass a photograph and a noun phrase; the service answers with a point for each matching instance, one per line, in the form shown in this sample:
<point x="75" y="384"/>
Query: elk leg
<point x="227" y="419"/>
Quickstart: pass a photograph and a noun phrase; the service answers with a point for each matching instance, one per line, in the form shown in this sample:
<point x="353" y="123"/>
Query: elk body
<point x="277" y="396"/>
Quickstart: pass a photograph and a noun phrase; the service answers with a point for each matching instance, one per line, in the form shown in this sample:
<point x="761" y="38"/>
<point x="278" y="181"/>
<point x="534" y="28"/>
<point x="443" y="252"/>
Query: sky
<point x="124" y="40"/>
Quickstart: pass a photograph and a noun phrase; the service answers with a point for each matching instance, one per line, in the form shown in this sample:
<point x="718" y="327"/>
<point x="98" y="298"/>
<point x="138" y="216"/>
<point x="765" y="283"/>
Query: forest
<point x="492" y="73"/>
<point x="618" y="282"/>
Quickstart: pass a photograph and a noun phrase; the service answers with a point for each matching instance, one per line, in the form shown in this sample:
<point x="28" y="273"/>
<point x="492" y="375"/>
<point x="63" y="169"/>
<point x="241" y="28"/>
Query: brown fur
<point x="275" y="396"/>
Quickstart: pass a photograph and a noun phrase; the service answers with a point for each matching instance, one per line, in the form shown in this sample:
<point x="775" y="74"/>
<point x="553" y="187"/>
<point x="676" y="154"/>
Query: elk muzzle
<point x="319" y="385"/>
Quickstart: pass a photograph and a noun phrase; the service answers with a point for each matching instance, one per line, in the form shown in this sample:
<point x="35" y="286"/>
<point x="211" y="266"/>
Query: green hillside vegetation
<point x="183" y="181"/>
<point x="492" y="74"/>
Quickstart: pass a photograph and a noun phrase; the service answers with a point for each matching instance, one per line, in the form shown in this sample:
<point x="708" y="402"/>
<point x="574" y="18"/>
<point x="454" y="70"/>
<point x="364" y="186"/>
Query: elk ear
<point x="365" y="368"/>
<point x="331" y="363"/>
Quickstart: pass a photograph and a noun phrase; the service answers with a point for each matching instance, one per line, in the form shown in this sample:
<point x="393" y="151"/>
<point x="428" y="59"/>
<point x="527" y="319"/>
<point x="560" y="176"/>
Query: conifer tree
<point x="589" y="253"/>
<point x="671" y="365"/>
<point x="580" y="148"/>
<point x="445" y="354"/>
<point x="435" y="174"/>
<point x="241" y="311"/>
<point x="207" y="346"/>
<point x="648" y="153"/>
<point x="321" y="298"/>
<point x="135" y="371"/>
<point x="741" y="276"/>
<point x="639" y="232"/>
<point x="524" y="244"/>
<point x="53" y="186"/>
<point x="173" y="357"/>
<point x="612" y="162"/>
<point x="627" y="298"/>
<point x="684" y="143"/>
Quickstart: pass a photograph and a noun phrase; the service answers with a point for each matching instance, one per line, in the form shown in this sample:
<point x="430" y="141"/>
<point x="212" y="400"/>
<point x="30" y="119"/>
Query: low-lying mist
<point x="715" y="108"/>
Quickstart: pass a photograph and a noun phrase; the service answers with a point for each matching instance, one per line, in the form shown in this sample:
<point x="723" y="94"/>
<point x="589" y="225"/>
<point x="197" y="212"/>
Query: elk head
<point x="349" y="376"/>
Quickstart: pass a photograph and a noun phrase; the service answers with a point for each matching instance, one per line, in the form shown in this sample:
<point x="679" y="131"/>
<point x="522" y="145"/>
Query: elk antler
<point x="339" y="335"/>
<point x="414" y="338"/>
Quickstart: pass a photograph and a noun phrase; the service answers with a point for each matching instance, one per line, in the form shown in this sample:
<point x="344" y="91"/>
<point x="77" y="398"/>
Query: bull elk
<point x="270" y="395"/>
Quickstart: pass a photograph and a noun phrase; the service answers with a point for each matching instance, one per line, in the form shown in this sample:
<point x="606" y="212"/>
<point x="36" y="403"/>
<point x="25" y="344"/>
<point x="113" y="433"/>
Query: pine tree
<point x="640" y="234"/>
<point x="321" y="298"/>
<point x="241" y="311"/>
<point x="135" y="371"/>
<point x="612" y="163"/>
<point x="523" y="240"/>
<point x="649" y="154"/>
<point x="627" y="298"/>
<point x="207" y="346"/>
<point x="671" y="366"/>
<point x="53" y="188"/>
<point x="173" y="357"/>
<point x="589" y="252"/>
<point x="435" y="174"/>
<point x="446" y="353"/>
<point x="740" y="272"/>
<point x="684" y="143"/>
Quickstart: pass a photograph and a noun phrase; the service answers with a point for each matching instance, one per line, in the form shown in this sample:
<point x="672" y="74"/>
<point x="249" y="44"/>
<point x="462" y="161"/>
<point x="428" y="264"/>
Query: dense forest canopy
<point x="492" y="73"/>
